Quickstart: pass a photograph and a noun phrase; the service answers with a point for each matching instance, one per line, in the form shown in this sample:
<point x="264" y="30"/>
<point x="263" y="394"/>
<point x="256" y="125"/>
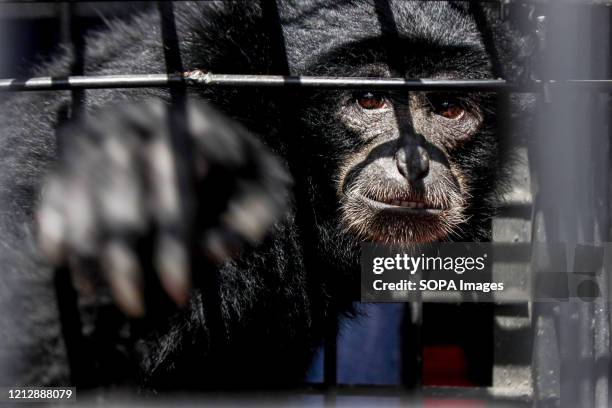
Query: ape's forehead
<point x="314" y="27"/>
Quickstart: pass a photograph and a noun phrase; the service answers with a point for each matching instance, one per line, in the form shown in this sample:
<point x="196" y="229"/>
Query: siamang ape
<point x="241" y="208"/>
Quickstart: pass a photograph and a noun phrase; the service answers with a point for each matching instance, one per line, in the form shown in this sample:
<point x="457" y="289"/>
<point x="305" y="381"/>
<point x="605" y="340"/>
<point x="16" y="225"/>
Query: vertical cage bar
<point x="412" y="345"/>
<point x="66" y="294"/>
<point x="70" y="34"/>
<point x="330" y="356"/>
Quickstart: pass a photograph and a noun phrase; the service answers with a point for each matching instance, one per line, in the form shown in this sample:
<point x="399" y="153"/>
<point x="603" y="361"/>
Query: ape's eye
<point x="371" y="100"/>
<point x="447" y="107"/>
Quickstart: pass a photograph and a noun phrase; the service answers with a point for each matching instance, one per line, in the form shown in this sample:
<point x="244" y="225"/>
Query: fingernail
<point x="51" y="235"/>
<point x="124" y="277"/>
<point x="215" y="247"/>
<point x="172" y="264"/>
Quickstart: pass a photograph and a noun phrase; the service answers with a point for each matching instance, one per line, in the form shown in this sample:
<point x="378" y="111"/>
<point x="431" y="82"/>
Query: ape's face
<point x="403" y="185"/>
<point x="405" y="166"/>
<point x="401" y="166"/>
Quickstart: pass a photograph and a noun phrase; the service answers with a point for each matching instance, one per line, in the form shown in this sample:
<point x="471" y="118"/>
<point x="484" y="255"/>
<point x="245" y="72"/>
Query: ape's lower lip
<point x="403" y="209"/>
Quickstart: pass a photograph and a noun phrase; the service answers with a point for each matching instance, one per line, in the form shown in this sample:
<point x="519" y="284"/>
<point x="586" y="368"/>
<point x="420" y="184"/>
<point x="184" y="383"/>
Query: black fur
<point x="273" y="311"/>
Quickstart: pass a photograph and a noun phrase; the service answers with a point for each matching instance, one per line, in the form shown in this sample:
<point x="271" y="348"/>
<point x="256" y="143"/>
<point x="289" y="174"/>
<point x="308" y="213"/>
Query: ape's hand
<point x="133" y="176"/>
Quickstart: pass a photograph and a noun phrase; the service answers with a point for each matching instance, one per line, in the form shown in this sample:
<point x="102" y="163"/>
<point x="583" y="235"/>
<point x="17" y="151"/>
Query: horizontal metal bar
<point x="199" y="78"/>
<point x="83" y="1"/>
<point x="506" y="2"/>
<point x="343" y="82"/>
<point x="116" y="1"/>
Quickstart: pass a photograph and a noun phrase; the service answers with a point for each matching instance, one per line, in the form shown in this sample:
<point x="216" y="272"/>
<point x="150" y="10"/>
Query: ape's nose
<point x="412" y="162"/>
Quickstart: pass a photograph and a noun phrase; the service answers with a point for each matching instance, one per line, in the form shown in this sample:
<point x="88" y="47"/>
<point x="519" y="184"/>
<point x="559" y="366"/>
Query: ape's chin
<point x="389" y="231"/>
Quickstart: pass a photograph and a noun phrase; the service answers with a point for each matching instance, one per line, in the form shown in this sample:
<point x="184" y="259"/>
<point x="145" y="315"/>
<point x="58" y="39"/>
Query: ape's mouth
<point x="406" y="205"/>
<point x="400" y="217"/>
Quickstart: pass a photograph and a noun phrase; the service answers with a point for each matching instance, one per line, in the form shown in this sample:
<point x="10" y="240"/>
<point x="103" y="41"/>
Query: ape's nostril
<point x="413" y="162"/>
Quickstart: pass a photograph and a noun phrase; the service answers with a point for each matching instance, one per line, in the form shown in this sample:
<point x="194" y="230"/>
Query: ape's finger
<point x="51" y="221"/>
<point x="119" y="188"/>
<point x="173" y="266"/>
<point x="171" y="216"/>
<point x="81" y="220"/>
<point x="220" y="245"/>
<point x="261" y="197"/>
<point x="124" y="276"/>
<point x="164" y="199"/>
<point x="120" y="197"/>
<point x="251" y="214"/>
